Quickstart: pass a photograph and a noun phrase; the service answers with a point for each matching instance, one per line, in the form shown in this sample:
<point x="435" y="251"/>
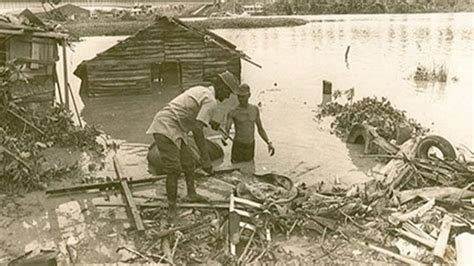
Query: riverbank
<point x="117" y="27"/>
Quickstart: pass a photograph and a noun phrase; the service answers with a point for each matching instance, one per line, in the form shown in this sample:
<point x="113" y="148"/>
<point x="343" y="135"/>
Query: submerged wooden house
<point x="166" y="54"/>
<point x="27" y="42"/>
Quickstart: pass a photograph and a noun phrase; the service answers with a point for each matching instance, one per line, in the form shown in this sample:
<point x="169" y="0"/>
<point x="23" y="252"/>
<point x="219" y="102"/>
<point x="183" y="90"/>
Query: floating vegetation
<point x="379" y="113"/>
<point x="433" y="74"/>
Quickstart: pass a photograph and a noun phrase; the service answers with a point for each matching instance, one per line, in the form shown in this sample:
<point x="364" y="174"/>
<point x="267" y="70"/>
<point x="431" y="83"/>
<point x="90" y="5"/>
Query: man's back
<point x="185" y="107"/>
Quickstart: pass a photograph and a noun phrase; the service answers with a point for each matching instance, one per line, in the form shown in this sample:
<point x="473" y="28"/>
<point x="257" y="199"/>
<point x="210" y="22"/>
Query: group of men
<point x="192" y="111"/>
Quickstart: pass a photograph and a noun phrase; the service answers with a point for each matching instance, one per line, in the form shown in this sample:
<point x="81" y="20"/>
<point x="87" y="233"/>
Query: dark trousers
<point x="242" y="152"/>
<point x="175" y="161"/>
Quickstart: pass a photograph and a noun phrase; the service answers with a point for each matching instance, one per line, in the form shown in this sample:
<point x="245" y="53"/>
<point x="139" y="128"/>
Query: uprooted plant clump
<point x="434" y="74"/>
<point x="379" y="113"/>
<point x="25" y="134"/>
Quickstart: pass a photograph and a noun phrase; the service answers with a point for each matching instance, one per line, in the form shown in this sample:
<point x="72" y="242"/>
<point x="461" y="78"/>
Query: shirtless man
<point x="245" y="116"/>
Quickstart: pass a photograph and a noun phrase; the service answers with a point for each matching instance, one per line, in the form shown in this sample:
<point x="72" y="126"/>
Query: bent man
<point x="190" y="111"/>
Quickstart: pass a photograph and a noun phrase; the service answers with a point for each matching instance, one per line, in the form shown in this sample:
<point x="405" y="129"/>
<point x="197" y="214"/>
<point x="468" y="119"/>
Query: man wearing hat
<point x="190" y="111"/>
<point x="245" y="116"/>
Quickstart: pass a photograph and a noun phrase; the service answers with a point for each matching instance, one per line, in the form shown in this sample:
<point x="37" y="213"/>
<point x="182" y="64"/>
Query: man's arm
<point x="263" y="133"/>
<point x="198" y="135"/>
<point x="228" y="123"/>
<point x="202" y="120"/>
<point x="261" y="130"/>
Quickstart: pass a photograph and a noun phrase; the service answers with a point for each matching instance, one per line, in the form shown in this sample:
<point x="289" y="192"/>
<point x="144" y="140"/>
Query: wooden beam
<point x="212" y="205"/>
<point x="127" y="194"/>
<point x="54" y="35"/>
<point x="11" y="32"/>
<point x="443" y="237"/>
<point x="37" y="61"/>
<point x="81" y="188"/>
<point x="65" y="77"/>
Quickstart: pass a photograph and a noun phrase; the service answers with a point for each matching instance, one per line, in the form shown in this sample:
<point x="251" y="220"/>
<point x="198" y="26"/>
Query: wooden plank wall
<point x="39" y="56"/>
<point x="126" y="67"/>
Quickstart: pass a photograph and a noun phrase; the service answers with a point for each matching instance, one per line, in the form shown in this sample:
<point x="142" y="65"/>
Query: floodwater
<point x="384" y="53"/>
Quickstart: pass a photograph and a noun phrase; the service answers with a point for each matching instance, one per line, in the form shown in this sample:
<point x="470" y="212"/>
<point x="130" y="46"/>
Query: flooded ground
<point x="385" y="50"/>
<point x="383" y="55"/>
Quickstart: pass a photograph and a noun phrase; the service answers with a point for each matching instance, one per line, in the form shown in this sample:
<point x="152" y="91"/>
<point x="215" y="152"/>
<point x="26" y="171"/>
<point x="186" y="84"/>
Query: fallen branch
<point x="14" y="156"/>
<point x="239" y="260"/>
<point x="26" y="122"/>
<point x="179" y="235"/>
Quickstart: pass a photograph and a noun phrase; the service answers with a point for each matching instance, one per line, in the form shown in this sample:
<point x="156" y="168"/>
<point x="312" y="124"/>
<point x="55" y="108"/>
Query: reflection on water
<point x="384" y="53"/>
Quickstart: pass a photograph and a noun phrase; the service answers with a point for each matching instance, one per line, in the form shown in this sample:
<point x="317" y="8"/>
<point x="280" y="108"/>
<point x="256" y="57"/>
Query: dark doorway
<point x="166" y="75"/>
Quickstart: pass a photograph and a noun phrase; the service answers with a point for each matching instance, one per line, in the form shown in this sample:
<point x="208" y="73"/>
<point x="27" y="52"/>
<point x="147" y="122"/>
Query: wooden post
<point x="128" y="197"/>
<point x="327" y="92"/>
<point x="66" y="91"/>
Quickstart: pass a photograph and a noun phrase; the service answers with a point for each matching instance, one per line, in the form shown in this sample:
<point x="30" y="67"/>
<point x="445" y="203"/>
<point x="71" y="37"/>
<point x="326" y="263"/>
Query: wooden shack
<point x="166" y="54"/>
<point x="25" y="41"/>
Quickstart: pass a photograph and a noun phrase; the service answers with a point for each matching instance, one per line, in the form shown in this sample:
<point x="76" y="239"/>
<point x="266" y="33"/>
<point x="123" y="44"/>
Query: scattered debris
<point x="25" y="136"/>
<point x="375" y="112"/>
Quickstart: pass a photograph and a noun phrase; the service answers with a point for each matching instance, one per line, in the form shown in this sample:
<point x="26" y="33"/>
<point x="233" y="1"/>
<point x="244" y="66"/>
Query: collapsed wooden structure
<point x="28" y="43"/>
<point x="166" y="54"/>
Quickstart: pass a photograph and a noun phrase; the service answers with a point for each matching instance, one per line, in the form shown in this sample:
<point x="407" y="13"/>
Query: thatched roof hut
<point x="168" y="53"/>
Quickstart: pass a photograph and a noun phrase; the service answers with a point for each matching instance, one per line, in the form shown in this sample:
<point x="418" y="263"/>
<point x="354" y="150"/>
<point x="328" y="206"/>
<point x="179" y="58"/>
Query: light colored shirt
<point x="180" y="116"/>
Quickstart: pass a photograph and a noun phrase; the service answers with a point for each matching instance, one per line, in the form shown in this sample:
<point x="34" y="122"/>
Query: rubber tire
<point x="448" y="151"/>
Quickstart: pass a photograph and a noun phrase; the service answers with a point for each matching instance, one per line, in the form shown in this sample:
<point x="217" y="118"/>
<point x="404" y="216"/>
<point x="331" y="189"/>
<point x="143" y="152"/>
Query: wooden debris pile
<point x="25" y="134"/>
<point x="417" y="211"/>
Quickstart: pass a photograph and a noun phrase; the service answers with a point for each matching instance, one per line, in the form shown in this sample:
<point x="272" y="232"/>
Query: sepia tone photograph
<point x="236" y="132"/>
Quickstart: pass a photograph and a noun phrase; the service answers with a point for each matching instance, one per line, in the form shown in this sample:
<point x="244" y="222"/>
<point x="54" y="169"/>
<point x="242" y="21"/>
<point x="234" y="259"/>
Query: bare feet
<point x="195" y="198"/>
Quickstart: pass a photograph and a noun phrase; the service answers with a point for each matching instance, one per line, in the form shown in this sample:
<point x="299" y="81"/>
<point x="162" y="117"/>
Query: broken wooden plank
<point x="85" y="187"/>
<point x="418" y="212"/>
<point x="434" y="192"/>
<point x="427" y="242"/>
<point x="443" y="237"/>
<point x="396" y="256"/>
<point x="127" y="194"/>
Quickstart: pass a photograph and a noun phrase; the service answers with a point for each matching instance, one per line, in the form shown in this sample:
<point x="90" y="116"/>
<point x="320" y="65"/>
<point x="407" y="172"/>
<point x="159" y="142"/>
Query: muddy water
<point x="384" y="52"/>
